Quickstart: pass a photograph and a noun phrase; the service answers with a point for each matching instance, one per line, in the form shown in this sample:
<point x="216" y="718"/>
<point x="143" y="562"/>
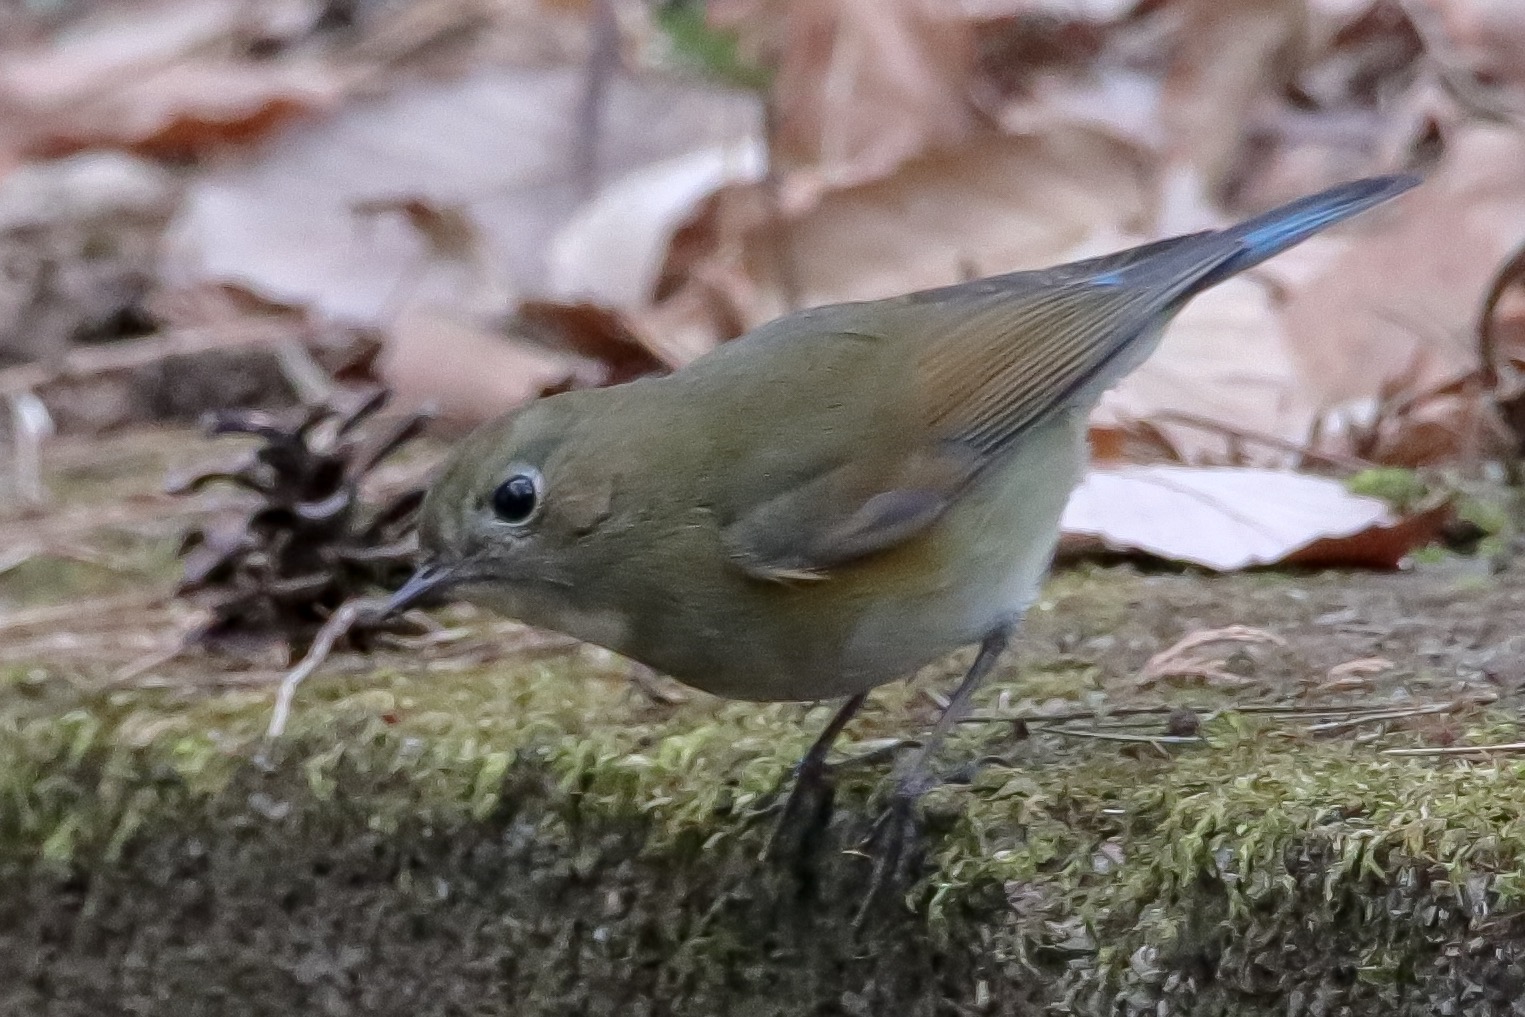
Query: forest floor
<point x="492" y="820"/>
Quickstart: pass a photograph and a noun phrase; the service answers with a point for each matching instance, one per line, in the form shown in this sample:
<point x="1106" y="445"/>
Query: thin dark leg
<point x="811" y="793"/>
<point x="912" y="776"/>
<point x="896" y="828"/>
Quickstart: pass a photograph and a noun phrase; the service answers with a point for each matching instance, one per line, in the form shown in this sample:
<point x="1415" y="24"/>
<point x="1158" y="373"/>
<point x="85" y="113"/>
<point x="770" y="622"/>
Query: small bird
<point x="837" y="498"/>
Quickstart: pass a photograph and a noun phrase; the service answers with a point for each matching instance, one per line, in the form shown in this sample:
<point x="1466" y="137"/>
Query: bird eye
<point x="516" y="499"/>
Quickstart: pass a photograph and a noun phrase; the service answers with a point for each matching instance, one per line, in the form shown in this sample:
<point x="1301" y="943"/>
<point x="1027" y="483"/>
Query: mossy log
<point x="540" y="839"/>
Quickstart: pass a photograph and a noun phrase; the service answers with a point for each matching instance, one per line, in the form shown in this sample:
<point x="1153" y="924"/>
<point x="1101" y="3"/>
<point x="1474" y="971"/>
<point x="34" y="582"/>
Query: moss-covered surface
<point x="463" y="829"/>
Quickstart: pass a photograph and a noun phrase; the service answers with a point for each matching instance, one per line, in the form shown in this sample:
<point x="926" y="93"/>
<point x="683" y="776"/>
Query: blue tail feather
<point x="1267" y="235"/>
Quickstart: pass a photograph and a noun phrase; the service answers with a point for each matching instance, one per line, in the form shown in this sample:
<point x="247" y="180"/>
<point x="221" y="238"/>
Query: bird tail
<point x="1267" y="235"/>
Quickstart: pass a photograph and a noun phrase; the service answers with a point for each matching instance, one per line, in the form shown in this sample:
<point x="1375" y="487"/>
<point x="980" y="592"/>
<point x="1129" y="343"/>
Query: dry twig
<point x="332" y="631"/>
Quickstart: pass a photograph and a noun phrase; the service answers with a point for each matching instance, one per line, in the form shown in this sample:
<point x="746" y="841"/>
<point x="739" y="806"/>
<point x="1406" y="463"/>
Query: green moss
<point x="1116" y="867"/>
<point x="1401" y="488"/>
<point x="709" y="50"/>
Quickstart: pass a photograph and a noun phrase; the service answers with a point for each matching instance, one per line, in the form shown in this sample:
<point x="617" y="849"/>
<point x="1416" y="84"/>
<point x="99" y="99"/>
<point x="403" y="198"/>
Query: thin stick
<point x="1458" y="750"/>
<point x="322" y="645"/>
<point x="1120" y="736"/>
<point x="1381" y="715"/>
<point x="54" y="614"/>
<point x="147" y="662"/>
<point x="1185" y="418"/>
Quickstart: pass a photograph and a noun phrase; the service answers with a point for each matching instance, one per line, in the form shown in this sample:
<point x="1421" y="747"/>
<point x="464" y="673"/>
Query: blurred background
<point x="210" y="204"/>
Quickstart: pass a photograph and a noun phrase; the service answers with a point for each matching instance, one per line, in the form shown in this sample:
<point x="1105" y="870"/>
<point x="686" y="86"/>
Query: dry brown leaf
<point x="1354" y="674"/>
<point x="612" y="248"/>
<point x="1384" y="546"/>
<point x="470" y="374"/>
<point x="163" y="79"/>
<point x="861" y="85"/>
<point x="496" y="146"/>
<point x="1226" y="519"/>
<point x="1484" y="36"/>
<point x="1224" y="360"/>
<point x="1231" y="56"/>
<point x="1403" y="296"/>
<point x="997" y="204"/>
<point x="589" y="330"/>
<point x="1187" y="658"/>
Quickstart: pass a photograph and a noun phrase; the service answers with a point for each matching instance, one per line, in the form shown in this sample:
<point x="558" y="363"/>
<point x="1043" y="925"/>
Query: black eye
<point x="516" y="499"/>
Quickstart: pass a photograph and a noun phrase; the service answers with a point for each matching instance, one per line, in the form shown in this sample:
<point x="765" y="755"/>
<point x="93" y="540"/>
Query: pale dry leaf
<point x="1187" y="658"/>
<point x="163" y="78"/>
<point x="1355" y="674"/>
<point x="1231" y="56"/>
<point x="1223" y="359"/>
<point x="434" y="358"/>
<point x="611" y="249"/>
<point x="1065" y="10"/>
<point x="860" y="85"/>
<point x="1486" y="36"/>
<point x="1405" y="292"/>
<point x="686" y="326"/>
<point x="496" y="144"/>
<point x="1224" y="518"/>
<point x="998" y="204"/>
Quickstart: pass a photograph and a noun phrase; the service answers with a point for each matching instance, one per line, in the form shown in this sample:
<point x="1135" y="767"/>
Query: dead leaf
<point x="611" y="250"/>
<point x="1484" y="37"/>
<point x="1187" y="657"/>
<point x="588" y="330"/>
<point x="496" y="146"/>
<point x="1223" y="360"/>
<point x="998" y="204"/>
<point x="470" y="374"/>
<point x="1231" y="55"/>
<point x="1354" y="674"/>
<point x="1405" y="292"/>
<point x="1384" y="546"/>
<point x="1227" y="519"/>
<point x="167" y="79"/>
<point x="860" y="85"/>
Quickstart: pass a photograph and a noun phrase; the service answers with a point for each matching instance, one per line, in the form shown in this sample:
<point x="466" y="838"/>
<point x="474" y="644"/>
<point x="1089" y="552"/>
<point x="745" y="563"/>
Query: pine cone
<point x="312" y="542"/>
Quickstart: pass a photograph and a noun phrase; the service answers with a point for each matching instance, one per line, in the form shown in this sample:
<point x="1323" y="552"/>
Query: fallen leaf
<point x="468" y="373"/>
<point x="164" y="79"/>
<point x="1226" y="519"/>
<point x="860" y="85"/>
<point x="495" y="147"/>
<point x="1223" y="360"/>
<point x="591" y="331"/>
<point x="1231" y="55"/>
<point x="1404" y="294"/>
<point x="1383" y="546"/>
<point x="1354" y="674"/>
<point x="1187" y="658"/>
<point x="997" y="204"/>
<point x="1483" y="36"/>
<point x="611" y="250"/>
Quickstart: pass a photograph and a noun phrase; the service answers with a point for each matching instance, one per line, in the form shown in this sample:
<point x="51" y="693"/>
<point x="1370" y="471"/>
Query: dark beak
<point x="421" y="586"/>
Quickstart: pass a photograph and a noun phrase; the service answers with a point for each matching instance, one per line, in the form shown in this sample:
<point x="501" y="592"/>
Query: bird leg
<point x="896" y="828"/>
<point x="808" y="806"/>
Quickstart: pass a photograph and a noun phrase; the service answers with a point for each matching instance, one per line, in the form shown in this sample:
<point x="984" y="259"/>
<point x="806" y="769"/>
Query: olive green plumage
<point x="839" y="497"/>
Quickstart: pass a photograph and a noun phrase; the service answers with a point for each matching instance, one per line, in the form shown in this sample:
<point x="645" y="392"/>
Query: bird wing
<point x="981" y="366"/>
<point x="988" y="360"/>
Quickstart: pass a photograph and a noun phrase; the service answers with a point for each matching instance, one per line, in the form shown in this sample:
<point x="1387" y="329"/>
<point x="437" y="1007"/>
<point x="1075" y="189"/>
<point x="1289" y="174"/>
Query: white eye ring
<point x="517" y="499"/>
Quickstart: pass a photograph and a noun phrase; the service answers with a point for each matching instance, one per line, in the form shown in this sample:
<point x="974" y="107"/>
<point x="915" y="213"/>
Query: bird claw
<point x="891" y="844"/>
<point x="803" y="814"/>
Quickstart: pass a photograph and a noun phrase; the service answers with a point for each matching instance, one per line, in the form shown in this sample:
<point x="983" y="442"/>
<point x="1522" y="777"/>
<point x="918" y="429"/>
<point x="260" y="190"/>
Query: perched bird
<point x="837" y="498"/>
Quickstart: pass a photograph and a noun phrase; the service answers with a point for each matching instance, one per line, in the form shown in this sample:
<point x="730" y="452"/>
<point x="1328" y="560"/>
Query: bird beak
<point x="427" y="580"/>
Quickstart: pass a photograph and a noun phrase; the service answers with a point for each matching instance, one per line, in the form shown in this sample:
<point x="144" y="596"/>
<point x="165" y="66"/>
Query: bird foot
<point x="803" y="813"/>
<point x="892" y="843"/>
